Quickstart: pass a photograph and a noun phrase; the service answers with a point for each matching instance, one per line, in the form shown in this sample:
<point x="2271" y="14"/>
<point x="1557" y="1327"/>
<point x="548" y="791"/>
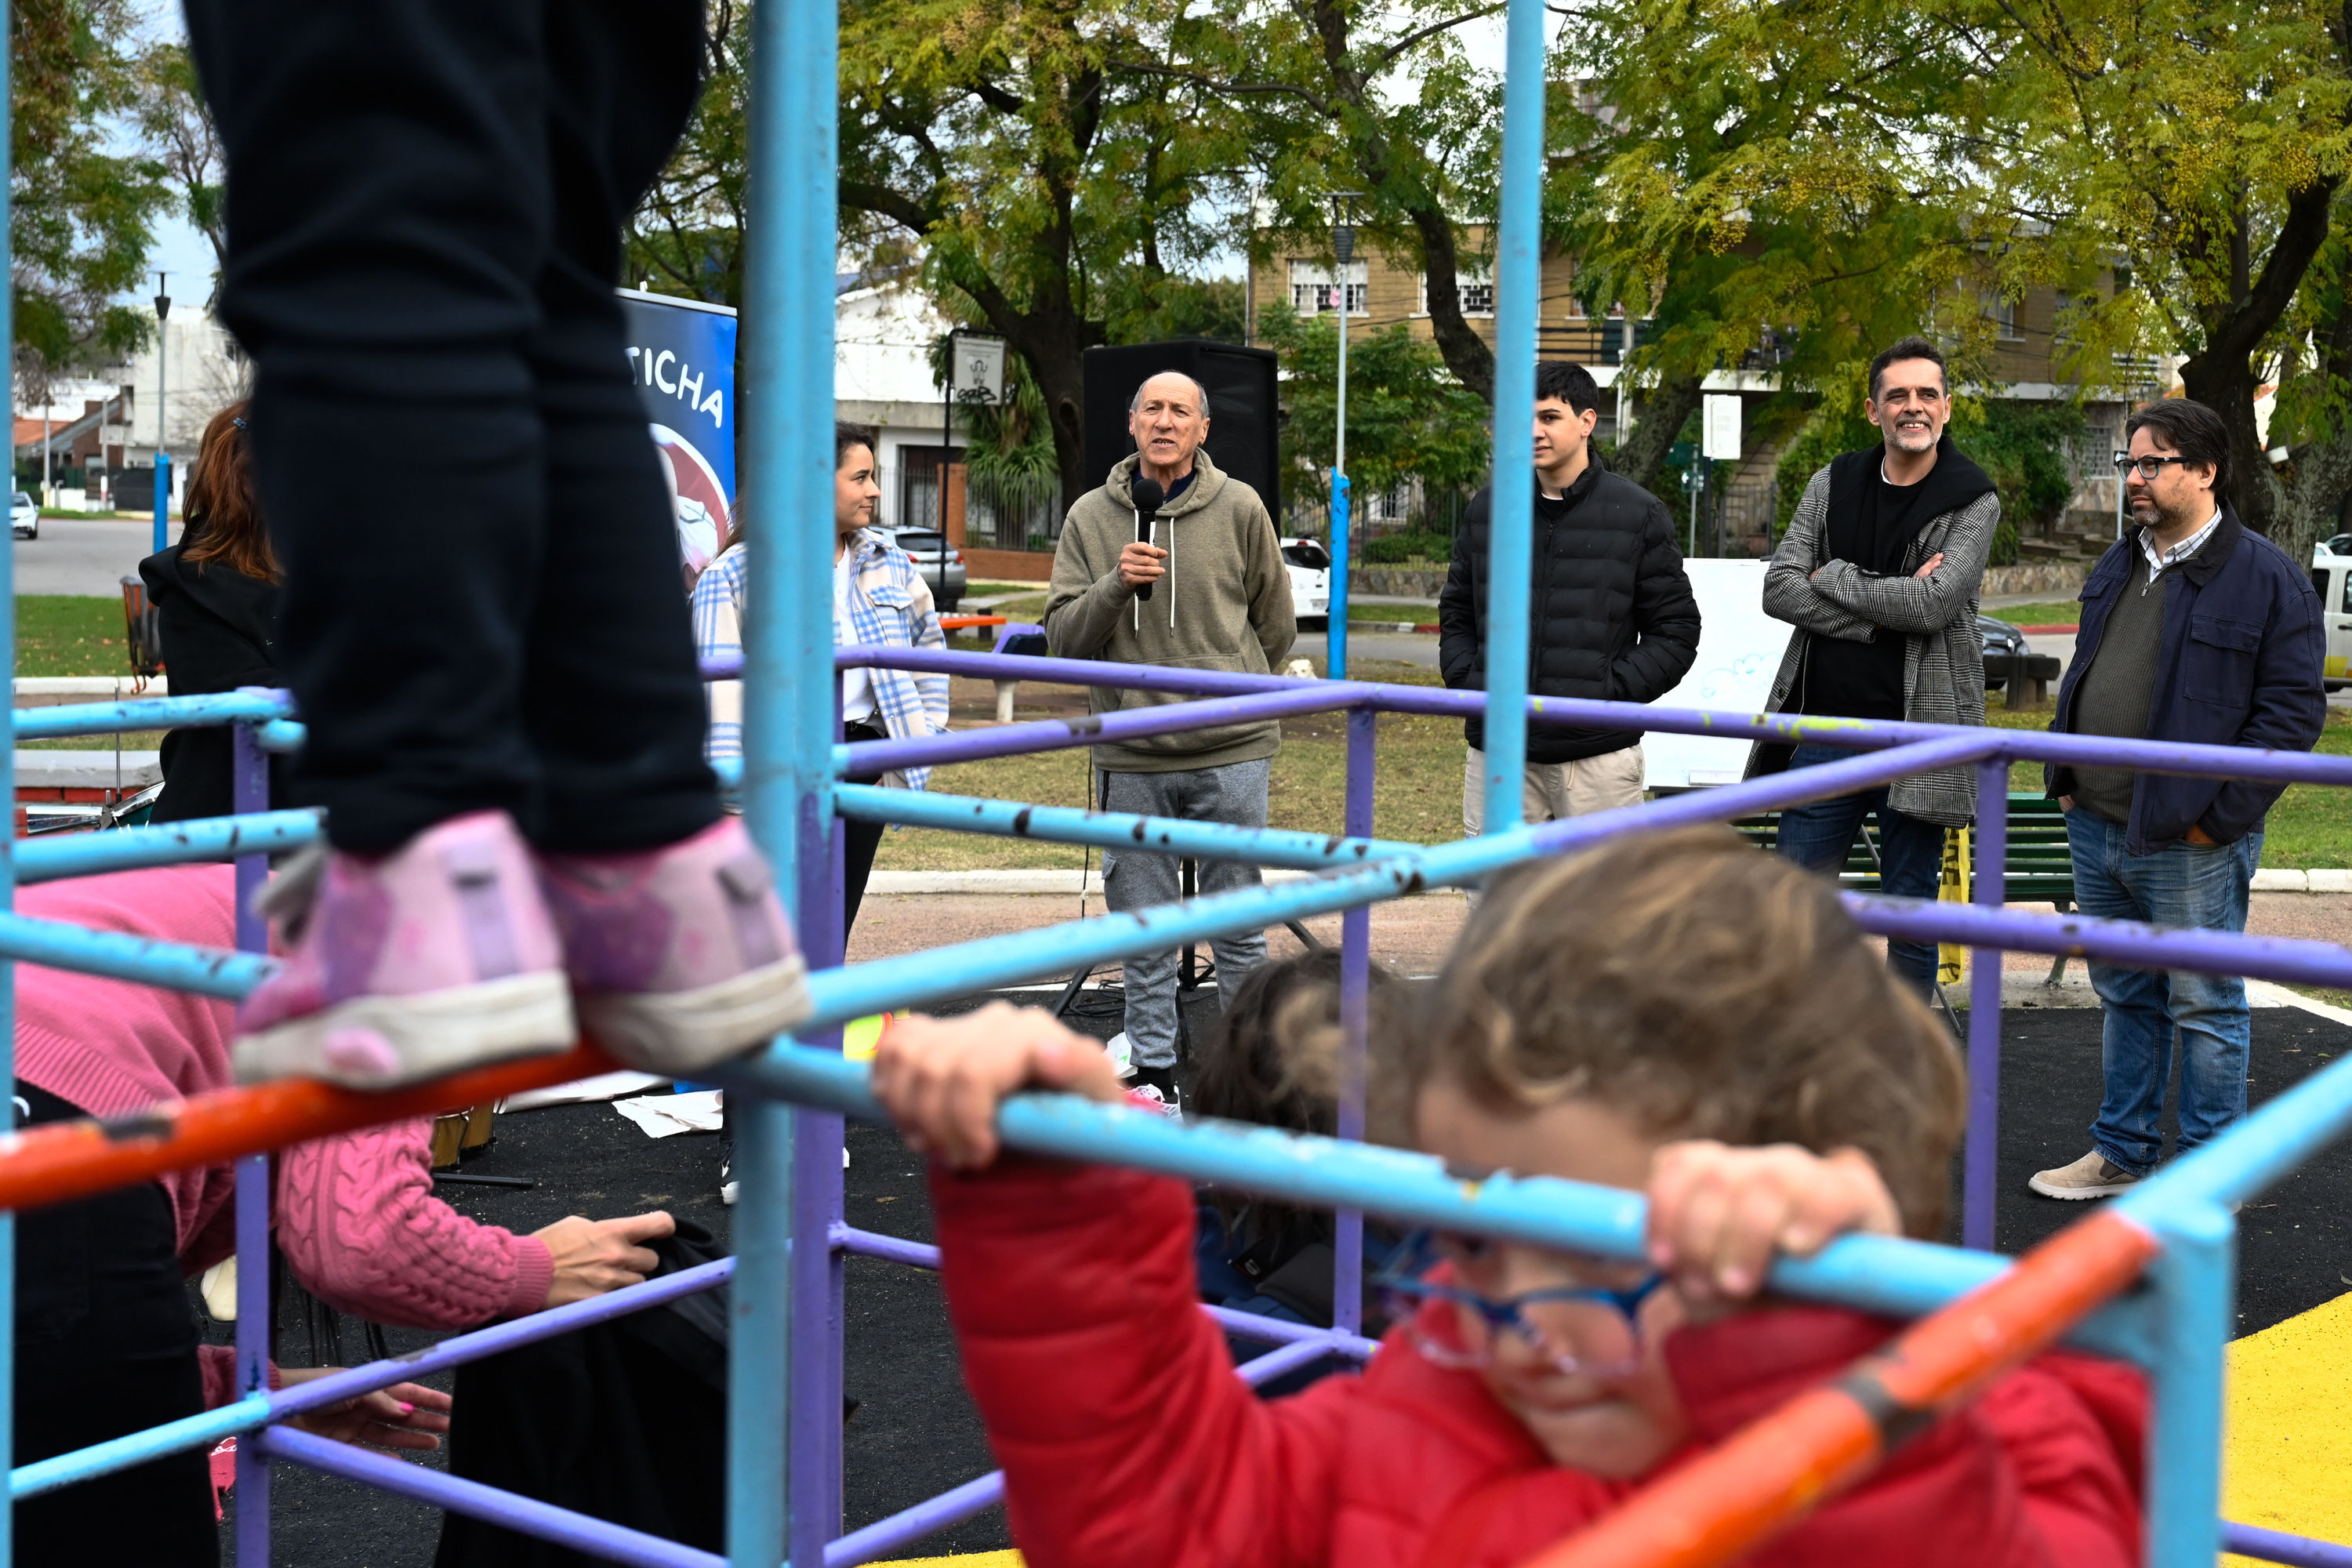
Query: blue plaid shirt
<point x="890" y="605"/>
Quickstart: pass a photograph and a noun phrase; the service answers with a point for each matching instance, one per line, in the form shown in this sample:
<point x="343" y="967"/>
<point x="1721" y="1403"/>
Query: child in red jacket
<point x="1676" y="1014"/>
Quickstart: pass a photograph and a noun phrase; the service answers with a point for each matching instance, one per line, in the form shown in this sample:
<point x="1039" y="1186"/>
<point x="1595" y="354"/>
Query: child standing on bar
<point x="1618" y="1018"/>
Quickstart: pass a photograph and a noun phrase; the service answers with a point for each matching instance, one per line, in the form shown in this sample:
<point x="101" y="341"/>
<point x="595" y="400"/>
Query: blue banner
<point x="682" y="357"/>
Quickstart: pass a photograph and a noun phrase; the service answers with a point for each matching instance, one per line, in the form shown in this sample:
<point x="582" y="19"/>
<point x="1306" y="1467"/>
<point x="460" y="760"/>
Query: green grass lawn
<point x="2049" y="613"/>
<point x="58" y="635"/>
<point x="1417" y="613"/>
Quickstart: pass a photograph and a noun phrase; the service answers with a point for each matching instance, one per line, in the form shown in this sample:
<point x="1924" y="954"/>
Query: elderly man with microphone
<point x="1172" y="562"/>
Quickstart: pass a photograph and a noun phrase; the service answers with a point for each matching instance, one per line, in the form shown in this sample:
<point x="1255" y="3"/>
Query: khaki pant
<point x="1555" y="790"/>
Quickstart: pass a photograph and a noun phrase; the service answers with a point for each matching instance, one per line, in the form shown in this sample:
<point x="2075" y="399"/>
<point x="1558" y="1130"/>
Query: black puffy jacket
<point x="1612" y="617"/>
<point x="220" y="632"/>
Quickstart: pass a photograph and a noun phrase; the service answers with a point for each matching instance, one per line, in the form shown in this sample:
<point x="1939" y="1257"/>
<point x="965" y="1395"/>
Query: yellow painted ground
<point x="2287" y="1462"/>
<point x="979" y="1559"/>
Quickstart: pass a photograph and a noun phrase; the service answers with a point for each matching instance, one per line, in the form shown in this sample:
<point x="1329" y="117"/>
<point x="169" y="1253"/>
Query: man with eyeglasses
<point x="1878" y="573"/>
<point x="2195" y="631"/>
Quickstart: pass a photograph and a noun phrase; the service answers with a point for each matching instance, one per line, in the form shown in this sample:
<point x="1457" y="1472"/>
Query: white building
<point x="882" y="338"/>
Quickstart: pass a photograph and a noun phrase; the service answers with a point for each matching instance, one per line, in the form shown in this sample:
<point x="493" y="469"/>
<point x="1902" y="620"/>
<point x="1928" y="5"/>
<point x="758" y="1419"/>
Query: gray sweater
<point x="1223" y="604"/>
<point x="2114" y="693"/>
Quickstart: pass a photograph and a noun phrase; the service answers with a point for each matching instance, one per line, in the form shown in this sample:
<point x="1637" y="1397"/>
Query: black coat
<point x="1613" y="615"/>
<point x="220" y="632"/>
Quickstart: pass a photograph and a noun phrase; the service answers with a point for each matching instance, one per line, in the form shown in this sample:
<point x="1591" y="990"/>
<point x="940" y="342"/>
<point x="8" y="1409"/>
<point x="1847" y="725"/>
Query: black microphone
<point x="1149" y="498"/>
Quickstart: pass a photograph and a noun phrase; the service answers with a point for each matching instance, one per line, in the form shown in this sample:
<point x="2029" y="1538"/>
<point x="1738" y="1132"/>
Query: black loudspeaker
<point x="1244" y="419"/>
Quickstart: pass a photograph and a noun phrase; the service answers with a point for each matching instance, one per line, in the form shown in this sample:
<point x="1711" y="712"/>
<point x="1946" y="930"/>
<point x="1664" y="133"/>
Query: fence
<point x="2172" y="1236"/>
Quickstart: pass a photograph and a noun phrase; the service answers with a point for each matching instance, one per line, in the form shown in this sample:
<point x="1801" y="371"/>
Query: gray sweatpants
<point x="1133" y="880"/>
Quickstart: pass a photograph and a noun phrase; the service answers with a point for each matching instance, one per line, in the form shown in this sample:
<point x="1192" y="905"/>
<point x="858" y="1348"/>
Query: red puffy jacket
<point x="1126" y="1442"/>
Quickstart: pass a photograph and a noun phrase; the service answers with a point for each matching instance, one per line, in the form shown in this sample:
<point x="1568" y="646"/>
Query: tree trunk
<point x="2223" y="381"/>
<point x="1658" y="419"/>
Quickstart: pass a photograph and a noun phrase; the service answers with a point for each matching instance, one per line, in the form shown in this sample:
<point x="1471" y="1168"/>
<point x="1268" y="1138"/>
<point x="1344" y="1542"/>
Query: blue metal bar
<point x="258" y="1410"/>
<point x="284" y="735"/>
<point x="2195" y="1280"/>
<point x="933" y="1514"/>
<point x="790" y="700"/>
<point x="177" y="966"/>
<point x="60" y="855"/>
<point x="942" y="973"/>
<point x="1114" y="830"/>
<point x="1789" y="728"/>
<point x="1982" y="1159"/>
<point x="1355" y="984"/>
<point x="1876" y="1273"/>
<point x="1510" y="512"/>
<point x="813" y="1437"/>
<point x="599" y="1538"/>
<point x="1056" y="734"/>
<point x="2121" y="943"/>
<point x="163" y="478"/>
<point x="147" y="713"/>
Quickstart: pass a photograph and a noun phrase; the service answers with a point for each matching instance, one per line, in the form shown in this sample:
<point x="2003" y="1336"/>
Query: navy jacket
<point x="2239" y="665"/>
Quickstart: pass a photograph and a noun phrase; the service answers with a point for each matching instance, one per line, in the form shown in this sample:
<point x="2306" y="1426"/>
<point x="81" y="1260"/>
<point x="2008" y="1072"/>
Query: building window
<point x="1314" y="291"/>
<point x="1475" y="284"/>
<point x="2002" y="314"/>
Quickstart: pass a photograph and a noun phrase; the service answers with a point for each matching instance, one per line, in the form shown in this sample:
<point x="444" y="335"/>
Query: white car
<point x="1309" y="565"/>
<point x="24" y="515"/>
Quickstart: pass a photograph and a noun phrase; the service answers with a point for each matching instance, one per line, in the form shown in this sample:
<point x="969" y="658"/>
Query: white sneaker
<point x="2091" y="1176"/>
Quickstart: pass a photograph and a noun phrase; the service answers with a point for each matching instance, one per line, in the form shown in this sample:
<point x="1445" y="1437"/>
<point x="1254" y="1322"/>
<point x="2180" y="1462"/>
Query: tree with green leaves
<point x="1408" y="417"/>
<point x="81" y="220"/>
<point x="685" y="237"/>
<point x="169" y="110"/>
<point x="2197" y="152"/>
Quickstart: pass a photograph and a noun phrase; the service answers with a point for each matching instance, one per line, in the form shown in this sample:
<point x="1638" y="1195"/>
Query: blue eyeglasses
<point x="1587" y="1330"/>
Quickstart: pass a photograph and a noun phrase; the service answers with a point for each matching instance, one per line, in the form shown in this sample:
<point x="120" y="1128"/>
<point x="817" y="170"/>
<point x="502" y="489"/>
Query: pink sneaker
<point x="435" y="957"/>
<point x="680" y="956"/>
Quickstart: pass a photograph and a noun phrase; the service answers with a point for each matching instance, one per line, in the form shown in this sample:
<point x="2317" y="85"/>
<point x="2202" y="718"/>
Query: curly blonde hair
<point x="1706" y="990"/>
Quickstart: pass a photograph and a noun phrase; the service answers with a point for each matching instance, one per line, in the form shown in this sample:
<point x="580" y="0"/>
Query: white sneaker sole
<point x="2078" y="1194"/>
<point x="432" y="1034"/>
<point x="682" y="1032"/>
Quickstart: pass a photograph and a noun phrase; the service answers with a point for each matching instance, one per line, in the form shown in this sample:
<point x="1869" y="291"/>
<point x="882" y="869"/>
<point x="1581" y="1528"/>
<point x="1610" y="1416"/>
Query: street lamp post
<point x="162" y="386"/>
<point x="1334" y="622"/>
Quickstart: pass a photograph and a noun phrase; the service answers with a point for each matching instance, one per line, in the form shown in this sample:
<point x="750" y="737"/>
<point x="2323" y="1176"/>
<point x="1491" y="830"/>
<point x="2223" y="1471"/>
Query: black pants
<point x="483" y="604"/>
<point x="859" y="839"/>
<point x="106" y="1344"/>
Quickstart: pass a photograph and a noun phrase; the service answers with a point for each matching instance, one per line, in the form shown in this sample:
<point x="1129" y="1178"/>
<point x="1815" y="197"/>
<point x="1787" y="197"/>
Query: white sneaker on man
<point x="2091" y="1176"/>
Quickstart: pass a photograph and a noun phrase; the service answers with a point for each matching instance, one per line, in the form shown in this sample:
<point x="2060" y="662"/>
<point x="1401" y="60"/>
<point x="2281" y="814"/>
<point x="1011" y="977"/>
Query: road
<point x="84" y="556"/>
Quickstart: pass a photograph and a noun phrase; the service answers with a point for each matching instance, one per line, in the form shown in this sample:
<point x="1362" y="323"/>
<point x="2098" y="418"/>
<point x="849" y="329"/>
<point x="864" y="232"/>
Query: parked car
<point x="924" y="544"/>
<point x="1309" y="565"/>
<point x="2002" y="637"/>
<point x="24" y="515"/>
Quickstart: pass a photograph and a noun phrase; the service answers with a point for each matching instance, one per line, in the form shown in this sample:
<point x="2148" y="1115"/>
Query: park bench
<point x="2038" y="868"/>
<point x="2025" y="681"/>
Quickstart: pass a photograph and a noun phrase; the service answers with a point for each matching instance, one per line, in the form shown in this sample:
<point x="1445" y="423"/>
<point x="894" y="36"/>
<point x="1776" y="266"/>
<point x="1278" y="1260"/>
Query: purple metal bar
<point x="960" y="1503"/>
<point x="1249" y="1325"/>
<point x="2125" y="942"/>
<point x="2278" y="1546"/>
<point x="1355" y="982"/>
<point x="1984" y="1010"/>
<point x="1786" y="729"/>
<point x="249" y="791"/>
<point x="1055" y="734"/>
<point x="614" y="1542"/>
<point x="813" y="1412"/>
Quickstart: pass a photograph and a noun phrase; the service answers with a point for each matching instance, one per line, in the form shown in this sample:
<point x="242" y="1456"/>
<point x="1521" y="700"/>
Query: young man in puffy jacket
<point x="1612" y="617"/>
<point x="2195" y="631"/>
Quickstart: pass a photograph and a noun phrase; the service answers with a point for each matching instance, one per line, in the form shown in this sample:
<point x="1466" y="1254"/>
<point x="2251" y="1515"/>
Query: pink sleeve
<point x="219" y="1364"/>
<point x="361" y="1229"/>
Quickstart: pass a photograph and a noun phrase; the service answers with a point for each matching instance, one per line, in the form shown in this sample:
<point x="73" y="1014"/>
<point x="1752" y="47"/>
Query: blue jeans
<point x="1910" y="852"/>
<point x="2200" y="887"/>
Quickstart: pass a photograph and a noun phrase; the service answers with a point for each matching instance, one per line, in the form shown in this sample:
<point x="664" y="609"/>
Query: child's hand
<point x="1718" y="1214"/>
<point x="942" y="1078"/>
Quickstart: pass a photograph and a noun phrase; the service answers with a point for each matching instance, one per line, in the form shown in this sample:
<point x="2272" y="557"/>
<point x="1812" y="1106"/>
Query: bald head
<point x="1169" y="418"/>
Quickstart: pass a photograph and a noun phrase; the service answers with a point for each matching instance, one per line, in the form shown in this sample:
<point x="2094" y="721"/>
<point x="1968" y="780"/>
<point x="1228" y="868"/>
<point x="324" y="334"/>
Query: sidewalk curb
<point x="2270" y="880"/>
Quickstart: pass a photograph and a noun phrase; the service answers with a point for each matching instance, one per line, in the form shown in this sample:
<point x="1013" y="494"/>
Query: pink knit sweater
<point x="355" y="1214"/>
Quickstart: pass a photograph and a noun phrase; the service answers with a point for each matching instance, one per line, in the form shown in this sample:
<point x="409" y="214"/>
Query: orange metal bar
<point x="1772" y="1473"/>
<point x="74" y="1159"/>
<point x="964" y="623"/>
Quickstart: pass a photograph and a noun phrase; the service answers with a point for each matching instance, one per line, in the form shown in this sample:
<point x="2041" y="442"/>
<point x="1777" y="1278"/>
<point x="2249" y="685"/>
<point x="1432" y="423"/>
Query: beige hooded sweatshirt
<point x="1224" y="604"/>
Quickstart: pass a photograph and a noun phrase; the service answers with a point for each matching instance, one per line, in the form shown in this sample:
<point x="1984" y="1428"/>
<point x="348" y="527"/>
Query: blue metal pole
<point x="2196" y="1285"/>
<point x="1510" y="516"/>
<point x="1335" y="619"/>
<point x="162" y="482"/>
<point x="1983" y="1157"/>
<point x="247" y="704"/>
<point x="789" y="689"/>
<point x="815" y="1437"/>
<point x="7" y="862"/>
<point x="1355" y="986"/>
<point x="59" y="855"/>
<point x="249" y="793"/>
